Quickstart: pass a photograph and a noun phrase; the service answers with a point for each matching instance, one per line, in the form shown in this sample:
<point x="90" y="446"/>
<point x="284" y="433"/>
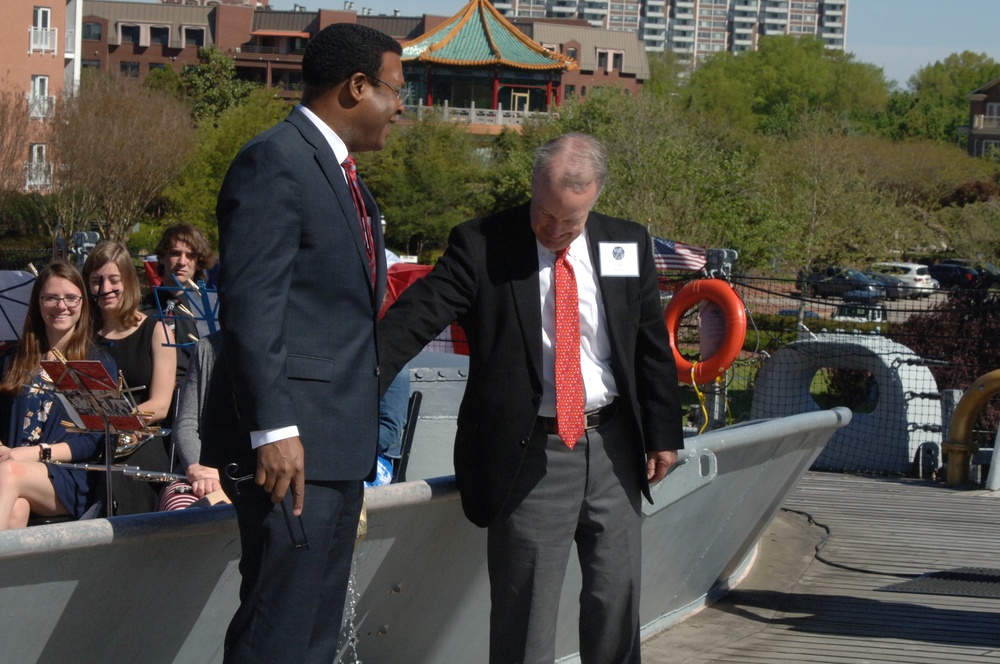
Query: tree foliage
<point x="212" y="85"/>
<point x="15" y="132"/>
<point x="430" y="176"/>
<point x="193" y="194"/>
<point x="117" y="145"/>
<point x="788" y="78"/>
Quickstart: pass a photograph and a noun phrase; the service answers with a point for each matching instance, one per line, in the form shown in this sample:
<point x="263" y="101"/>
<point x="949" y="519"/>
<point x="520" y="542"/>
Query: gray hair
<point x="582" y="157"/>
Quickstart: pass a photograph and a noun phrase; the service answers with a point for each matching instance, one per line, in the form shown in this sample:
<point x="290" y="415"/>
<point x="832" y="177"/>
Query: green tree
<point x="192" y="196"/>
<point x="786" y="80"/>
<point x="212" y="85"/>
<point x="940" y="105"/>
<point x="430" y="176"/>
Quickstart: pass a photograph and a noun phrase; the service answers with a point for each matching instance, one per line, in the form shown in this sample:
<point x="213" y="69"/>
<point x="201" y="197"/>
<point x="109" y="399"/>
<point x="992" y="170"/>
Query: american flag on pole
<point x="670" y="255"/>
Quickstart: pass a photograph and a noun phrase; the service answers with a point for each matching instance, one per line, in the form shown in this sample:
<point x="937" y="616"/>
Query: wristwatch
<point x="44" y="452"/>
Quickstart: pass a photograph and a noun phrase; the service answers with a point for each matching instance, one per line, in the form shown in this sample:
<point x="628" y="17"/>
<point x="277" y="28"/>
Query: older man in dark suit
<point x="303" y="275"/>
<point x="571" y="408"/>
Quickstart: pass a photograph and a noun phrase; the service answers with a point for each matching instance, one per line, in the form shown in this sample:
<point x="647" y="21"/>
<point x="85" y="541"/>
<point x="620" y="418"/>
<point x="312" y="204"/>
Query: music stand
<point x="95" y="402"/>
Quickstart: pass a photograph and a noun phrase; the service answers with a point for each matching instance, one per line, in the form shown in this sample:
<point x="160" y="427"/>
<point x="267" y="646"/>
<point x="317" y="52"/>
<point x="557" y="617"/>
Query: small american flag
<point x="670" y="255"/>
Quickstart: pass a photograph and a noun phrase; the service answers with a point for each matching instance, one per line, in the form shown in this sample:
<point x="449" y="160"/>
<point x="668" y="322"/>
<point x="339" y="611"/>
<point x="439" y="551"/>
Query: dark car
<point x="989" y="274"/>
<point x="895" y="287"/>
<point x="794" y="313"/>
<point x="955" y="276"/>
<point x="837" y="282"/>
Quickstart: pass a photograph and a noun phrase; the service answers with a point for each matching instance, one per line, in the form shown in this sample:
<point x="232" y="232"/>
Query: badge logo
<point x="618" y="253"/>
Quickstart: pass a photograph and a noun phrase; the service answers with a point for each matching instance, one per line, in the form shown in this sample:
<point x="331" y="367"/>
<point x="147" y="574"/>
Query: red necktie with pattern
<point x="359" y="203"/>
<point x="570" y="421"/>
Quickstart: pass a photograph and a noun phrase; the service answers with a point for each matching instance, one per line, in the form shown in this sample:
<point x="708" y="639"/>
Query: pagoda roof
<point x="479" y="36"/>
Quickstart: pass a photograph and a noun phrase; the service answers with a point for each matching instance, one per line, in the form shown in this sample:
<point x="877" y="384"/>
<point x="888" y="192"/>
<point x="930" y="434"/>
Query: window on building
<point x="42" y="18"/>
<point x="38" y="172"/>
<point x="159" y="35"/>
<point x="571" y="52"/>
<point x="90" y="64"/>
<point x="570" y="89"/>
<point x="194" y="37"/>
<point x="92" y="31"/>
<point x="602" y="60"/>
<point x="130" y="34"/>
<point x="129" y="69"/>
<point x="616" y="61"/>
<point x="154" y="66"/>
<point x="40" y="104"/>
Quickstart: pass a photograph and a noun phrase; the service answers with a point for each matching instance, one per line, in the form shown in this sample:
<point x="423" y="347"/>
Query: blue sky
<point x="898" y="35"/>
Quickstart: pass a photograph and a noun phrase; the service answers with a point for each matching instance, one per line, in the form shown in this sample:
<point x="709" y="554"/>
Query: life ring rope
<point x="722" y="294"/>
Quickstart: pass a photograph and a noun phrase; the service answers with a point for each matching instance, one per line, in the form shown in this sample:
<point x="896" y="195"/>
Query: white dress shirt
<point x="595" y="344"/>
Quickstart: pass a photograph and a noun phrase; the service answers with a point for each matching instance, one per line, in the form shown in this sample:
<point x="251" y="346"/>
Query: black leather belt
<point x="595" y="418"/>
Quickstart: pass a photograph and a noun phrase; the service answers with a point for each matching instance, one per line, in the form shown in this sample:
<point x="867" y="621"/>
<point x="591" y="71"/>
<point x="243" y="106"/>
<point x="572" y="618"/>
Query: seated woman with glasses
<point x="31" y="417"/>
<point x="143" y="349"/>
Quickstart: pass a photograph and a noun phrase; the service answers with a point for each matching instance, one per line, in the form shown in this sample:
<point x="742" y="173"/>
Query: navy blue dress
<point x="35" y="416"/>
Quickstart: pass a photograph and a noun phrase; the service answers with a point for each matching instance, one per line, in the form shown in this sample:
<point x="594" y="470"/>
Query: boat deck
<point x="794" y="608"/>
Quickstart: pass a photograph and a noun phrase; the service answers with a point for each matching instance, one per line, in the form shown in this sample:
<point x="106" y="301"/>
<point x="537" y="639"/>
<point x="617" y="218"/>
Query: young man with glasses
<point x="301" y="284"/>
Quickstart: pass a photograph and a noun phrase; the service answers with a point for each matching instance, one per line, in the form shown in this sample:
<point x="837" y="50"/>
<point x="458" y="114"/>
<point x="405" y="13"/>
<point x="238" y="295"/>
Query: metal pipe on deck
<point x="961" y="445"/>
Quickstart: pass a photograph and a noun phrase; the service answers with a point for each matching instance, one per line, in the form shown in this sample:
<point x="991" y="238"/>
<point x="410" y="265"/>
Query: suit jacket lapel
<point x="334" y="174"/>
<point x="614" y="290"/>
<point x="523" y="260"/>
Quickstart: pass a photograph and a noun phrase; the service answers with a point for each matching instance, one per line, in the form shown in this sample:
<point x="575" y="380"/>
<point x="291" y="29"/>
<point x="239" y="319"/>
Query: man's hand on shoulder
<point x="279" y="465"/>
<point x="658" y="463"/>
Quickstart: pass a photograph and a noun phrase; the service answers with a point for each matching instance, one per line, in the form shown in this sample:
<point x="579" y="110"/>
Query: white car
<point x="918" y="280"/>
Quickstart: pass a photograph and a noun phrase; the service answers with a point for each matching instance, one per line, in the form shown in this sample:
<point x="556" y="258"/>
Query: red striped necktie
<point x="569" y="378"/>
<point x="359" y="203"/>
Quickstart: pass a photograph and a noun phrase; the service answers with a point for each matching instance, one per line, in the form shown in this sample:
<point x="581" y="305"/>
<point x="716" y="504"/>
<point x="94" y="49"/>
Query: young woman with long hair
<point x="142" y="347"/>
<point x="31" y="417"/>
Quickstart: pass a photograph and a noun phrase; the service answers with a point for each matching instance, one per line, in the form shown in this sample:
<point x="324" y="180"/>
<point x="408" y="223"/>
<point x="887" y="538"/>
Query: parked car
<point x="848" y="283"/>
<point x="989" y="274"/>
<point x="895" y="287"/>
<point x="861" y="313"/>
<point x="955" y="276"/>
<point x="794" y="313"/>
<point x="918" y="279"/>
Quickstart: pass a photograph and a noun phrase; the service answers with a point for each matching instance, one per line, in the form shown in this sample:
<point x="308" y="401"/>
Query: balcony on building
<point x="276" y="42"/>
<point x="594" y="9"/>
<point x="685" y="4"/>
<point x="37" y="174"/>
<point x="69" y="49"/>
<point x="683" y="37"/>
<point x="563" y="11"/>
<point x="776" y="19"/>
<point x="986" y="124"/>
<point x="43" y="40"/>
<point x="40" y="107"/>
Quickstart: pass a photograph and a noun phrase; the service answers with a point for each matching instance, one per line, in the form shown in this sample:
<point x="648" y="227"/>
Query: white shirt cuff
<point x="268" y="436"/>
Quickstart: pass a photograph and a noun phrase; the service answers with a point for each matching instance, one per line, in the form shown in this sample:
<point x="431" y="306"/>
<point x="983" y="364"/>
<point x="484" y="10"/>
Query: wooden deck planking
<point x="794" y="608"/>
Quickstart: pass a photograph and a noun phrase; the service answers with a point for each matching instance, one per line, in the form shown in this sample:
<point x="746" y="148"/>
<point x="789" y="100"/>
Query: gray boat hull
<point x="162" y="587"/>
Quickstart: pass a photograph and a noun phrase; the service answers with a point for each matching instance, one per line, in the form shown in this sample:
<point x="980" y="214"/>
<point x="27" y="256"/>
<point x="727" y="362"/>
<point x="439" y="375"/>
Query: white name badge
<point x="619" y="259"/>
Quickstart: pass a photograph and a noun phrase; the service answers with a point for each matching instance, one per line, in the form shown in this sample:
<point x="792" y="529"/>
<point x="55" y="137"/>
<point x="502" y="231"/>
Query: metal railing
<point x="986" y="122"/>
<point x="37" y="174"/>
<point x="40" y="106"/>
<point x="43" y="40"/>
<point x="473" y="115"/>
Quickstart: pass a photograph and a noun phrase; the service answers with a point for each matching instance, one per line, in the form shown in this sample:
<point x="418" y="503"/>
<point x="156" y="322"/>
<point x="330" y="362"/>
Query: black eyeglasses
<point x="72" y="301"/>
<point x="402" y="94"/>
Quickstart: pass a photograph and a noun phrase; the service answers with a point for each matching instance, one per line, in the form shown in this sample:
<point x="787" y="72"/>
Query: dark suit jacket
<point x="488" y="280"/>
<point x="297" y="307"/>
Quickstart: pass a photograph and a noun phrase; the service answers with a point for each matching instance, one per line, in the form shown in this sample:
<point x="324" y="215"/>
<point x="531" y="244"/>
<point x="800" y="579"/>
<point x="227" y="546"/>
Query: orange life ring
<point x="722" y="294"/>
